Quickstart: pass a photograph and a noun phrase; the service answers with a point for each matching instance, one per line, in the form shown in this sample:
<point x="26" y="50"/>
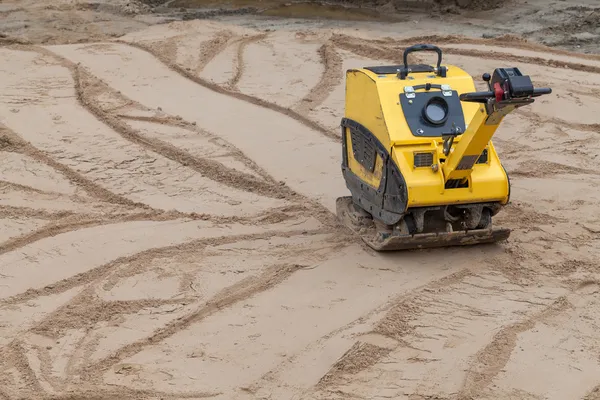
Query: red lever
<point x="498" y="91"/>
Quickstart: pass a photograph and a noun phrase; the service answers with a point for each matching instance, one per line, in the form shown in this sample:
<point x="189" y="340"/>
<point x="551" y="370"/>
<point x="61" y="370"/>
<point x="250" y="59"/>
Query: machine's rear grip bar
<point x="478" y="96"/>
<point x="422" y="47"/>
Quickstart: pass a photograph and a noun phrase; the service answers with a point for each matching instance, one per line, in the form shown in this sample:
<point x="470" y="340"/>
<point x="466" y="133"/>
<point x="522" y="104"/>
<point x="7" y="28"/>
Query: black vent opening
<point x="423" y="160"/>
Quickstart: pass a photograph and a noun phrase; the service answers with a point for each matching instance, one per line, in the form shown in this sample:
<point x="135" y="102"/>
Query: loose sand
<point x="167" y="228"/>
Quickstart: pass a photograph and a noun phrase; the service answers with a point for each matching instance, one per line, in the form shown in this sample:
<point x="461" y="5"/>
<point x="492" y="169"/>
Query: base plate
<point x="366" y="229"/>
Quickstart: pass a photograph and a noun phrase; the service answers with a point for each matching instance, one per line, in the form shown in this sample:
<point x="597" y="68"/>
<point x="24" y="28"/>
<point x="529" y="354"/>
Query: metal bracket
<point x="496" y="114"/>
<point x="409" y="91"/>
<point x="446" y="90"/>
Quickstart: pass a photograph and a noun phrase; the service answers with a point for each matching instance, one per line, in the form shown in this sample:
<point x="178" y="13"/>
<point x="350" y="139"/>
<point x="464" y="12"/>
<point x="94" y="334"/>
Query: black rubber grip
<point x="479" y="96"/>
<point x="423" y="47"/>
<point x="475" y="96"/>
<point x="541" y="91"/>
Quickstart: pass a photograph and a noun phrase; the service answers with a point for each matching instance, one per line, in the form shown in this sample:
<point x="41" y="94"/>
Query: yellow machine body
<point x="418" y="157"/>
<point x="373" y="101"/>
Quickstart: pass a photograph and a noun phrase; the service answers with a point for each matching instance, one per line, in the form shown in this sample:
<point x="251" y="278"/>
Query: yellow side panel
<point x="365" y="175"/>
<point x="362" y="106"/>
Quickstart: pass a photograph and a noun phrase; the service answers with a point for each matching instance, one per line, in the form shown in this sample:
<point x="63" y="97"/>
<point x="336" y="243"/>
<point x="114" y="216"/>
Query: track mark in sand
<point x="238" y="60"/>
<point x="88" y="310"/>
<point x="246" y="329"/>
<point x="11" y="41"/>
<point x="218" y="142"/>
<point x="89" y="88"/>
<point x="369" y="47"/>
<point x="206" y="167"/>
<point x="59" y="325"/>
<point x="25" y="188"/>
<point x="521" y="216"/>
<point x="331" y="77"/>
<point x="595" y="128"/>
<point x="73" y="222"/>
<point x="234" y="162"/>
<point x="490" y="361"/>
<point x="226" y="298"/>
<point x="15" y="355"/>
<point x="12" y="142"/>
<point x="328" y="350"/>
<point x="211" y="48"/>
<point x="208" y="50"/>
<point x="284" y="143"/>
<point x="431" y="338"/>
<point x="544" y="169"/>
<point x="594" y="394"/>
<point x="92" y="392"/>
<point x="95" y="273"/>
<point x="26" y="212"/>
<point x="238" y="95"/>
<point x="125" y="167"/>
<point x="359" y="357"/>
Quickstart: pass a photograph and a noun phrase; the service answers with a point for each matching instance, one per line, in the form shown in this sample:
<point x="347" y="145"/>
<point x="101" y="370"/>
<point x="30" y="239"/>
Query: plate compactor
<point x="418" y="158"/>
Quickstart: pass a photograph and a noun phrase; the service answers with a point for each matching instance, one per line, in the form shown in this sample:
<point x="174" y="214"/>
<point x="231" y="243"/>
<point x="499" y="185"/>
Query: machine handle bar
<point x="423" y="47"/>
<point x="479" y="96"/>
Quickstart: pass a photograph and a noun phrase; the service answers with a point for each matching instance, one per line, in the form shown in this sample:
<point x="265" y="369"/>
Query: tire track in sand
<point x="62" y="319"/>
<point x="594" y="394"/>
<point x="206" y="167"/>
<point x="538" y="119"/>
<point x="332" y="76"/>
<point x="394" y="313"/>
<point x="27" y="212"/>
<point x="178" y="122"/>
<point x="238" y="60"/>
<point x="524" y="59"/>
<point x="278" y="150"/>
<point x="490" y="360"/>
<point x="369" y="49"/>
<point x="29" y="189"/>
<point x="78" y="221"/>
<point x="68" y="221"/>
<point x="226" y="298"/>
<point x="238" y="95"/>
<point x="158" y="179"/>
<point x="14" y="143"/>
<point x="16" y="353"/>
<point x="208" y="49"/>
<point x="88" y="91"/>
<point x="212" y="48"/>
<point x="392" y="322"/>
<point x="270" y="217"/>
<point x="91" y="392"/>
<point x="429" y="336"/>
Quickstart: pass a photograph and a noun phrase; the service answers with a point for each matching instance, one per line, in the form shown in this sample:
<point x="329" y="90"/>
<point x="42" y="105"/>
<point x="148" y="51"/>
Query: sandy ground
<point x="167" y="227"/>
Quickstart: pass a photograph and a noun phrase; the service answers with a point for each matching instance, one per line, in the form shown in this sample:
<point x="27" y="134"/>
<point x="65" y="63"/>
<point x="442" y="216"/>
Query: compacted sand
<point x="167" y="228"/>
